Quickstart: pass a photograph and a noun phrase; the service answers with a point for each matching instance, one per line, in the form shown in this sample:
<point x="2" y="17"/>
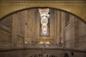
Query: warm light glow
<point x="26" y="42"/>
<point x="44" y="42"/>
<point x="47" y="42"/>
<point x="41" y="42"/>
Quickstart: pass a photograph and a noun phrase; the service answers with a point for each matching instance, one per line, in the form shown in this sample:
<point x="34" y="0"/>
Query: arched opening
<point x="24" y="29"/>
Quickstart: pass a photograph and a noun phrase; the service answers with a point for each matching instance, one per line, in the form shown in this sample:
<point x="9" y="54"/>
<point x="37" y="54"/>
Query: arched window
<point x="42" y="27"/>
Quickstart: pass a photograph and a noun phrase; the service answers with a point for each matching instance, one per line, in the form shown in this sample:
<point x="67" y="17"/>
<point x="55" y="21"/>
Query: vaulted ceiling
<point x="77" y="7"/>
